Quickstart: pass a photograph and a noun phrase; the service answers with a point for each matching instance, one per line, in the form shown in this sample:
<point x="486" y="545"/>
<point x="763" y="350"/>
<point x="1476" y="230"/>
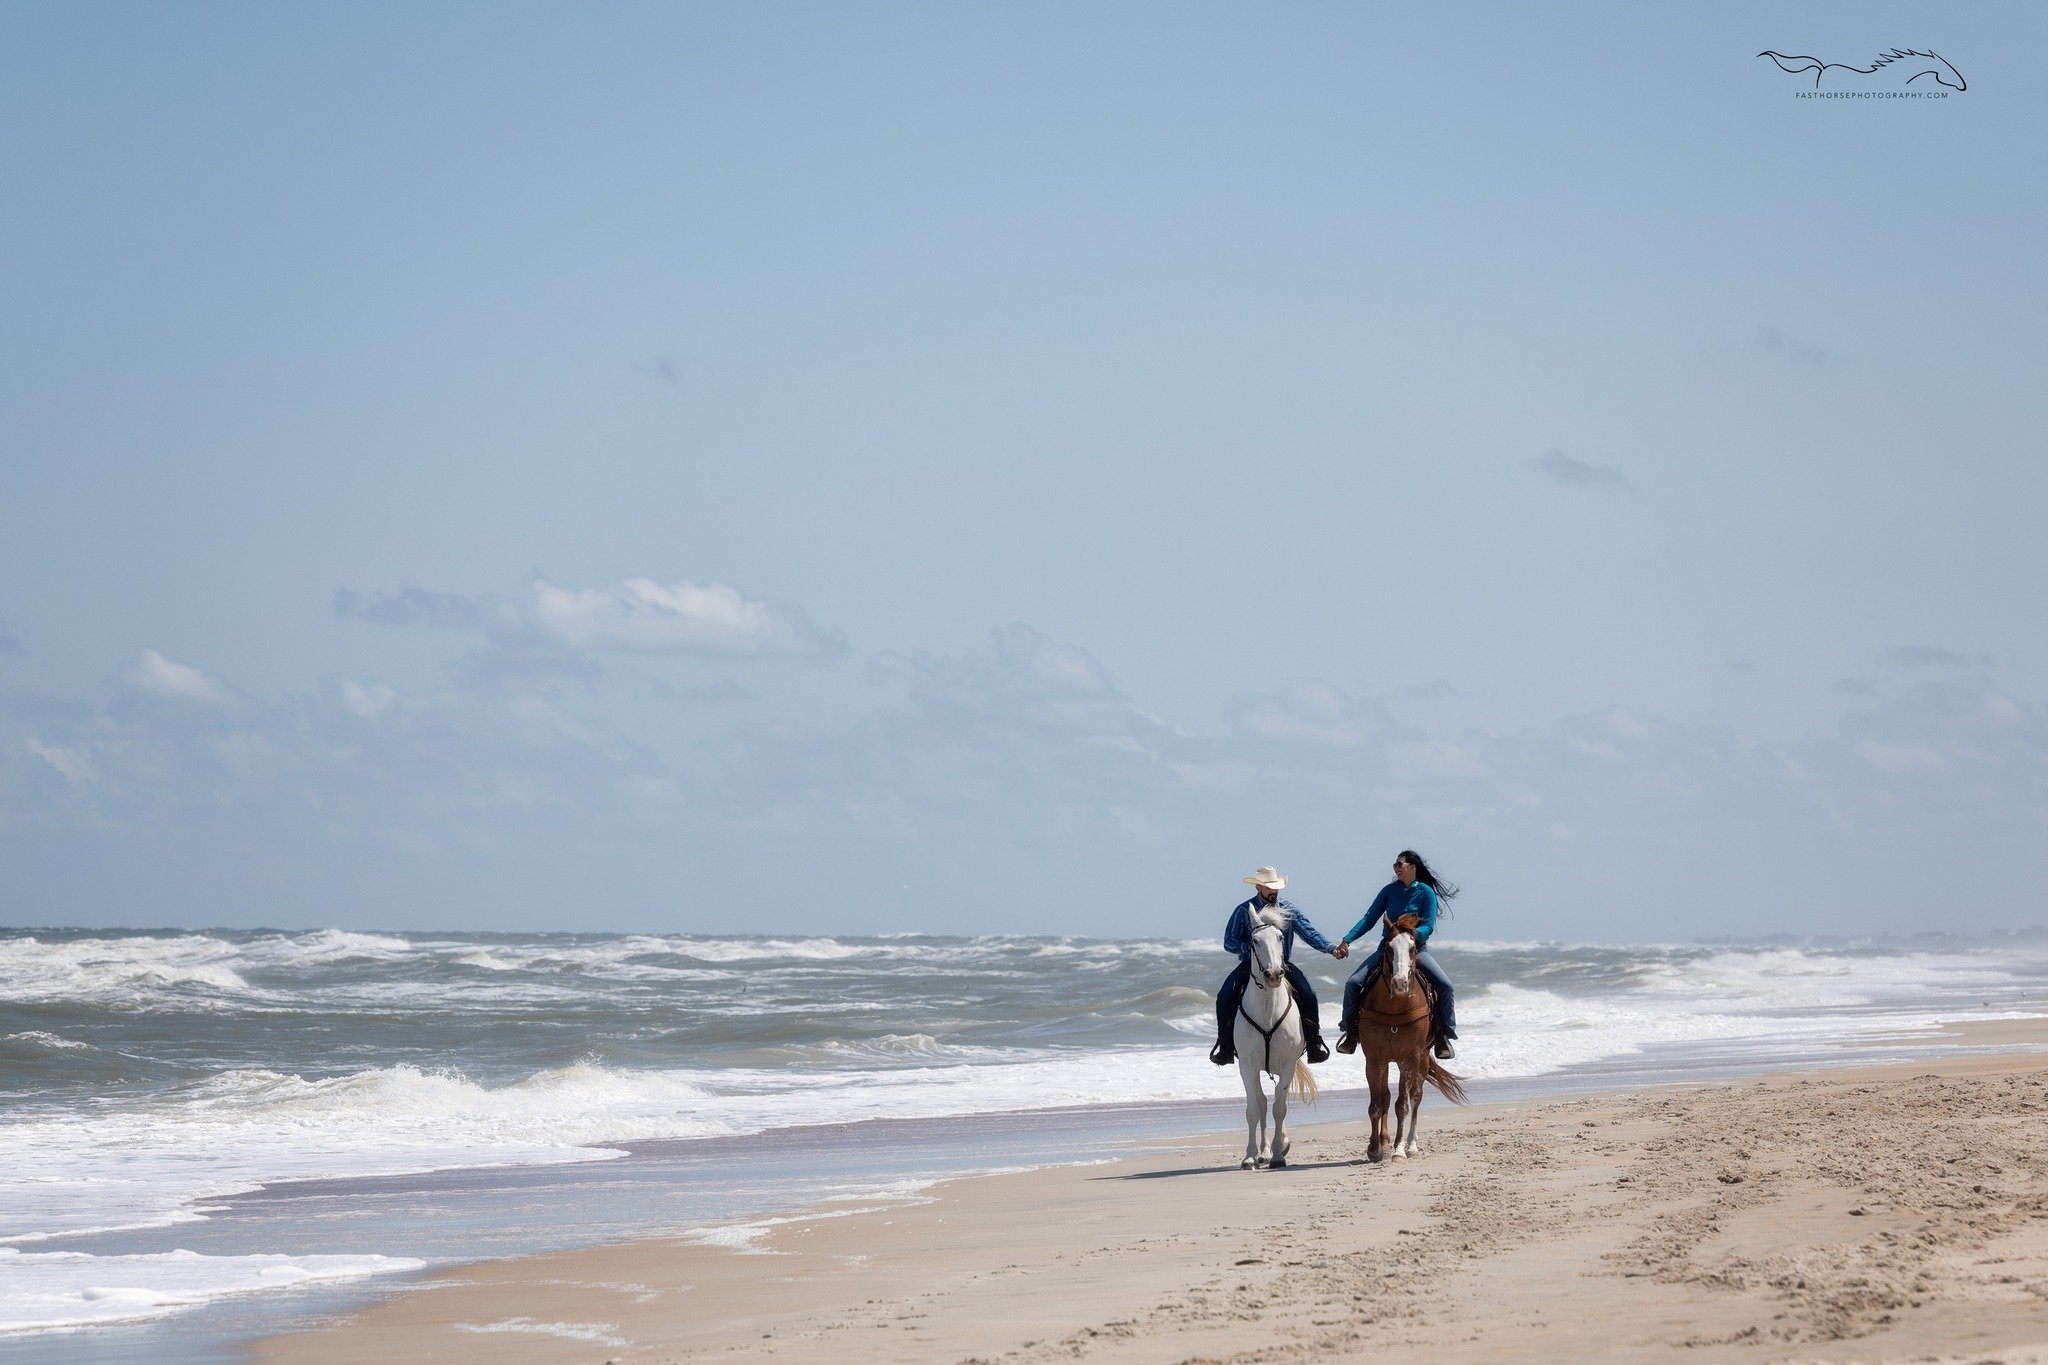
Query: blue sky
<point x="976" y="467"/>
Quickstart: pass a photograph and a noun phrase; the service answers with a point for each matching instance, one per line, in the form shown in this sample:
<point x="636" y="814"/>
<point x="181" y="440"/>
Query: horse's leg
<point x="1279" y="1148"/>
<point x="1400" y="1108"/>
<point x="1254" y="1109"/>
<point x="1416" y="1102"/>
<point x="1410" y="1101"/>
<point x="1376" y="1077"/>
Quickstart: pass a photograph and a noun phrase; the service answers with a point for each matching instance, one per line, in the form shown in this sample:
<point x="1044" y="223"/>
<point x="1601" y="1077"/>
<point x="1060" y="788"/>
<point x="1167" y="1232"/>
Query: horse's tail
<point x="1305" y="1087"/>
<point x="1449" y="1086"/>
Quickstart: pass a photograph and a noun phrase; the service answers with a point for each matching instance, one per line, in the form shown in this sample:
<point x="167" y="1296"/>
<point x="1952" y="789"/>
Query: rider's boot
<point x="1347" y="1041"/>
<point x="1312" y="1039"/>
<point x="1444" y="1049"/>
<point x="1225" y="1051"/>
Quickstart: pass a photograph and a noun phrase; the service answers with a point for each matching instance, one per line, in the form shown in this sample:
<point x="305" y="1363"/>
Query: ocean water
<point x="211" y="1120"/>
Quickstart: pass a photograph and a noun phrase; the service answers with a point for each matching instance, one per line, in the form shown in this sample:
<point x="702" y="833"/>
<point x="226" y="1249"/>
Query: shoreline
<point x="1737" y="1216"/>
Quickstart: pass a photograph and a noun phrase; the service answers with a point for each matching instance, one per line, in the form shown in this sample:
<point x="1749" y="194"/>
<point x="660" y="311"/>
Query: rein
<point x="1267" y="1033"/>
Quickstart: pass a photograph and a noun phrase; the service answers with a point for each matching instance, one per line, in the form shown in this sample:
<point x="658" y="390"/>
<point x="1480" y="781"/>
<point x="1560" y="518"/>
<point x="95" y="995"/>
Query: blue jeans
<point x="1446" y="1002"/>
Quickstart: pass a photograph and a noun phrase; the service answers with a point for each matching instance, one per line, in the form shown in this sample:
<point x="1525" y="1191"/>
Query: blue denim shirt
<point x="1237" y="932"/>
<point x="1396" y="900"/>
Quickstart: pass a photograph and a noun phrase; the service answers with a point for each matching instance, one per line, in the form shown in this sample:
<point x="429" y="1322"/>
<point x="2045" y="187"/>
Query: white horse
<point x="1269" y="1043"/>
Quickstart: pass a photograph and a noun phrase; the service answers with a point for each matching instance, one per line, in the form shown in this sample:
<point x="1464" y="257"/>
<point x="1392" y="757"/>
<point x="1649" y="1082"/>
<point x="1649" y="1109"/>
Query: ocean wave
<point x="1793" y="978"/>
<point x="382" y="1054"/>
<point x="321" y="947"/>
<point x="1514" y="1031"/>
<point x="41" y="1291"/>
<point x="36" y="1038"/>
<point x="765" y="949"/>
<point x="554" y="1103"/>
<point x="151" y="1162"/>
<point x="919" y="1049"/>
<point x="139" y="972"/>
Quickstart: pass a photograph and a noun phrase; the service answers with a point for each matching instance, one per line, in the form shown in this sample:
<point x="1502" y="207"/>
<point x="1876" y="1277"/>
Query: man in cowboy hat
<point x="1237" y="938"/>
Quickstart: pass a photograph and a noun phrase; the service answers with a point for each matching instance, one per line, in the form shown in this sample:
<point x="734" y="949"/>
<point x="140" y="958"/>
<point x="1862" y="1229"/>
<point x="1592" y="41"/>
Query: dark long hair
<point x="1445" y="891"/>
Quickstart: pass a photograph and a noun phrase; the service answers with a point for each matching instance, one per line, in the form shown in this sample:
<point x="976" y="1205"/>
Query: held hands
<point x="1342" y="950"/>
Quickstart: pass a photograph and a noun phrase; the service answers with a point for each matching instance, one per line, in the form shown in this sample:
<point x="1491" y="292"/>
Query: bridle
<point x="1394" y="1022"/>
<point x="1266" y="1032"/>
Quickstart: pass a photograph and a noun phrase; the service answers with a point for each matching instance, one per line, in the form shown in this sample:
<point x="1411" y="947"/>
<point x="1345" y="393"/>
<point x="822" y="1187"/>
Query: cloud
<point x="366" y="700"/>
<point x="1929" y="656"/>
<point x="1580" y="474"/>
<point x="1016" y="782"/>
<point x="1304" y="710"/>
<point x="413" y="607"/>
<point x="639" y="615"/>
<point x="1960" y="752"/>
<point x="724" y="690"/>
<point x="511" y="663"/>
<point x="1777" y="342"/>
<point x="630" y="616"/>
<point x="156" y="676"/>
<point x="74" y="765"/>
<point x="1436" y="689"/>
<point x="1020" y="678"/>
<point x="665" y="370"/>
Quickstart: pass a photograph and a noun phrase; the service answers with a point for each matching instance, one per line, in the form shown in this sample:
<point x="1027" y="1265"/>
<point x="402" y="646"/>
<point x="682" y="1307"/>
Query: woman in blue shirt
<point x="1415" y="891"/>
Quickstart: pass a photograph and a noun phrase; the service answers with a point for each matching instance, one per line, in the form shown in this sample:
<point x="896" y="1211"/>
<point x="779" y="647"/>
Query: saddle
<point x="1408" y="1016"/>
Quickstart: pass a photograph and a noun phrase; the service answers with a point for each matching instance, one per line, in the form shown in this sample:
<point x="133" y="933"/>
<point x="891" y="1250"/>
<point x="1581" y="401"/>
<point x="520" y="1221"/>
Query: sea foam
<point x="40" y="1291"/>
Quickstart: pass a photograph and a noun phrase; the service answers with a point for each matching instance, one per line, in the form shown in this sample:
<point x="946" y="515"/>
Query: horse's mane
<point x="1279" y="916"/>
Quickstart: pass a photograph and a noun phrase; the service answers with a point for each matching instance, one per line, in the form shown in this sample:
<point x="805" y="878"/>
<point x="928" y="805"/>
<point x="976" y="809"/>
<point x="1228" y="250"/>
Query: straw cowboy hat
<point x="1266" y="876"/>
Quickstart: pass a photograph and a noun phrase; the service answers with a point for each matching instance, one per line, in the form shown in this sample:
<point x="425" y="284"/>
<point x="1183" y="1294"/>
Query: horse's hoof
<point x="1375" y="1156"/>
<point x="1247" y="1164"/>
<point x="1278" y="1163"/>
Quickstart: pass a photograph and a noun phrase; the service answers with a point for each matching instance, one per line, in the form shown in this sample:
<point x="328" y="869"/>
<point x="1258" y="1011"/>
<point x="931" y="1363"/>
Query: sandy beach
<point x="1894" y="1213"/>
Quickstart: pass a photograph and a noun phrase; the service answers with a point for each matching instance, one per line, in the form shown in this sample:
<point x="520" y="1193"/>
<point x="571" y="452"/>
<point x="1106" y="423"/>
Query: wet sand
<point x="1896" y="1213"/>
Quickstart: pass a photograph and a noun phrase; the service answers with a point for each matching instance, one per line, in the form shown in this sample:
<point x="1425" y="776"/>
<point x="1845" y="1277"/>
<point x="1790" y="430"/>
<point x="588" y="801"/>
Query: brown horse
<point x="1393" y="1026"/>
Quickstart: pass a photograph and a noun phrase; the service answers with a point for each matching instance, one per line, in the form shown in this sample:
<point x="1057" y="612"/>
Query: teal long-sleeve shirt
<point x="1396" y="900"/>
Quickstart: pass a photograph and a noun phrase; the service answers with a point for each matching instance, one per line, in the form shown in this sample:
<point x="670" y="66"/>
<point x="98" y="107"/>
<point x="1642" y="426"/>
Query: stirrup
<point x="1223" y="1054"/>
<point x="1318" y="1050"/>
<point x="1444" y="1050"/>
<point x="1347" y="1042"/>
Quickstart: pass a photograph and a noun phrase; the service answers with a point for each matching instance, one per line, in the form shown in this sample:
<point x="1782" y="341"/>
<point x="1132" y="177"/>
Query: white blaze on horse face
<point x="1402" y="947"/>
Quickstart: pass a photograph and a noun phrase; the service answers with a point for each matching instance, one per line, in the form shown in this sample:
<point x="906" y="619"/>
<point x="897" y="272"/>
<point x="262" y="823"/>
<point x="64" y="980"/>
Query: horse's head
<point x="1269" y="944"/>
<point x="1401" y="953"/>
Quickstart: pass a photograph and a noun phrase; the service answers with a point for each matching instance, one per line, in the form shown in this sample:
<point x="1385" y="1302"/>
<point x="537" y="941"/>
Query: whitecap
<point x="177" y="971"/>
<point x="38" y="1038"/>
